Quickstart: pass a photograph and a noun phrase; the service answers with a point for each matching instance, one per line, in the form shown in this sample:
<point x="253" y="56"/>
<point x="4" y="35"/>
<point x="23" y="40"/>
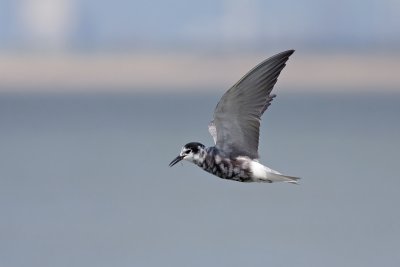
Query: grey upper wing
<point x="238" y="114"/>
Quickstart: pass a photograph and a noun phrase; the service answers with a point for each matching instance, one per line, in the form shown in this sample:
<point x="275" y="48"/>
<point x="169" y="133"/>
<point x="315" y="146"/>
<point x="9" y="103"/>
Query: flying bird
<point x="235" y="128"/>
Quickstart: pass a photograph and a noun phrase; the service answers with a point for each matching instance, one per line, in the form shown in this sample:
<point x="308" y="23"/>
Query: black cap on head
<point x="194" y="146"/>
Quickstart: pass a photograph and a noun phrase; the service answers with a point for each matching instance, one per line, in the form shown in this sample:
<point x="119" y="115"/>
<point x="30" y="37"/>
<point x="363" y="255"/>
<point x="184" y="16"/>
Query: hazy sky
<point x="67" y="24"/>
<point x="196" y="44"/>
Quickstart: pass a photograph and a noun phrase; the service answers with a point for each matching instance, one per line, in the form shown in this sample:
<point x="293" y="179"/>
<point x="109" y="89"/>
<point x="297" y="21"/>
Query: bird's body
<point x="235" y="128"/>
<point x="211" y="160"/>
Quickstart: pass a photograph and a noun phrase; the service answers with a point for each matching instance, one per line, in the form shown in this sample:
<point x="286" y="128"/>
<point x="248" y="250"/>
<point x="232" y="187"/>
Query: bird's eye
<point x="187" y="151"/>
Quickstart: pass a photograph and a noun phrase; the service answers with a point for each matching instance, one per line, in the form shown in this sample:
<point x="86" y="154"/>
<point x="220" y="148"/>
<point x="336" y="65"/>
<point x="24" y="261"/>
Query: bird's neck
<point x="200" y="157"/>
<point x="205" y="157"/>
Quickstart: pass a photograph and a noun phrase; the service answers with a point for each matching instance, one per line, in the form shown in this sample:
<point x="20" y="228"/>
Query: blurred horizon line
<point x="178" y="71"/>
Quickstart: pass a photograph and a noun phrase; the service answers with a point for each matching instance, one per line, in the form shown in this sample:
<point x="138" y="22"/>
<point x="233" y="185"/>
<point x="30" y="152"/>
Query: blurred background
<point x="97" y="97"/>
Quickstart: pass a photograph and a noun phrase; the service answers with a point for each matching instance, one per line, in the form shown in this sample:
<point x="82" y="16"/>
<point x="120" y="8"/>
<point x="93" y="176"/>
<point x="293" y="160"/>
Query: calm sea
<point x="84" y="181"/>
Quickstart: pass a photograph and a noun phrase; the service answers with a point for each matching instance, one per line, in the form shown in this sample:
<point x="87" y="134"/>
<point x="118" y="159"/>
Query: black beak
<point x="176" y="160"/>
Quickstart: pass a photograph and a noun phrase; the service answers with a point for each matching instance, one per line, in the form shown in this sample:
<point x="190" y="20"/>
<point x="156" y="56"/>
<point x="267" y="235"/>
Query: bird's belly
<point x="258" y="170"/>
<point x="229" y="170"/>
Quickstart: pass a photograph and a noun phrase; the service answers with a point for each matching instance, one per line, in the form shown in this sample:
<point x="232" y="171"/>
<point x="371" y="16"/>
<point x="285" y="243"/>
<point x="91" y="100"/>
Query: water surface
<point x="84" y="181"/>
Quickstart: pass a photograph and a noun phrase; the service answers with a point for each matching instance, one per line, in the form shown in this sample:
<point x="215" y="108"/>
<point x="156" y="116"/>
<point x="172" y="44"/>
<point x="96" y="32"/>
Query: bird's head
<point x="193" y="152"/>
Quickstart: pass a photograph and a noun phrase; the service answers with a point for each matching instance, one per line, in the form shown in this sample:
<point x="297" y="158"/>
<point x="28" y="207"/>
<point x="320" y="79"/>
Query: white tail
<point x="264" y="174"/>
<point x="277" y="177"/>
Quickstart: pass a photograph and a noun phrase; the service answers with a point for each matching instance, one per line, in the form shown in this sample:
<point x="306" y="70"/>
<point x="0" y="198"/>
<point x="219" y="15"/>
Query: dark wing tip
<point x="284" y="54"/>
<point x="288" y="52"/>
<point x="275" y="61"/>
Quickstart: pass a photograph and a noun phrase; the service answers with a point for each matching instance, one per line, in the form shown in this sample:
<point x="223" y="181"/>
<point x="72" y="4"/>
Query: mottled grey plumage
<point x="226" y="168"/>
<point x="236" y="125"/>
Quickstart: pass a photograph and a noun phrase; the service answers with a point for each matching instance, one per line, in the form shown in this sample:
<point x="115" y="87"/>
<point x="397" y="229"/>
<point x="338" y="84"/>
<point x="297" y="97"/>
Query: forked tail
<point x="277" y="177"/>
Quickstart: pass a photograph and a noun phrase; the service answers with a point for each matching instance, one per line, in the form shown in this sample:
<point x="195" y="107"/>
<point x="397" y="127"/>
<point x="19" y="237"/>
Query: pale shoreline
<point x="177" y="72"/>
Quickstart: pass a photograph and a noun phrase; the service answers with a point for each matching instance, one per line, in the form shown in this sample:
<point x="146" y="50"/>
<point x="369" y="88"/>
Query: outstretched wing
<point x="238" y="114"/>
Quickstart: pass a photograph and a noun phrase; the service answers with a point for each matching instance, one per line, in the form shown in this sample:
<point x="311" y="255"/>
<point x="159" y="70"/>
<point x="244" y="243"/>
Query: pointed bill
<point x="176" y="160"/>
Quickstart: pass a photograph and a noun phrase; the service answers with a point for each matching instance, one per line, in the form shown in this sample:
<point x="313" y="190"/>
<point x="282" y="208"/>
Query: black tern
<point x="235" y="128"/>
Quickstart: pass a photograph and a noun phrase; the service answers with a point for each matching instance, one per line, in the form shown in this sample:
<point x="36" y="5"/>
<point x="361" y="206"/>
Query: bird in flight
<point x="235" y="128"/>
